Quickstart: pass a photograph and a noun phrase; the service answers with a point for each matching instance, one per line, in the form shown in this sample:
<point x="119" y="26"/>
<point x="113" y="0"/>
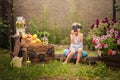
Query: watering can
<point x="16" y="62"/>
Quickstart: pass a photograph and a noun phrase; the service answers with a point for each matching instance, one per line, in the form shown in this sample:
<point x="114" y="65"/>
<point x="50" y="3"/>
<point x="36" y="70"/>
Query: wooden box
<point x="39" y="53"/>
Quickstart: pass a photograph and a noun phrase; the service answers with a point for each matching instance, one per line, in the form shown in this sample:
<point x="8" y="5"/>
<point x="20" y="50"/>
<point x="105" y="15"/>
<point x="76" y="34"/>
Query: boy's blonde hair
<point x="76" y="23"/>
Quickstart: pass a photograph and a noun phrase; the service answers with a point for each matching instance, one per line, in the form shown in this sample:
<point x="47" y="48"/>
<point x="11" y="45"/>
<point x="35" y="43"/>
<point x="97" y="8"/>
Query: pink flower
<point x="118" y="42"/>
<point x="114" y="52"/>
<point x="108" y="35"/>
<point x="103" y="37"/>
<point x="111" y="30"/>
<point x="99" y="46"/>
<point x="116" y="36"/>
<point x="95" y="40"/>
<point x="105" y="45"/>
<point x="99" y="52"/>
<point x="116" y="32"/>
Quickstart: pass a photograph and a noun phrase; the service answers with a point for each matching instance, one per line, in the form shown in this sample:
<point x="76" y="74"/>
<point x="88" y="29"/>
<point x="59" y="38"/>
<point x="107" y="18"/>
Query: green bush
<point x="3" y="34"/>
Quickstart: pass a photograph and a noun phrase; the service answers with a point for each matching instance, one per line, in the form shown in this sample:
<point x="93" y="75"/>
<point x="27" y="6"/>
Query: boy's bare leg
<point x="79" y="56"/>
<point x="69" y="56"/>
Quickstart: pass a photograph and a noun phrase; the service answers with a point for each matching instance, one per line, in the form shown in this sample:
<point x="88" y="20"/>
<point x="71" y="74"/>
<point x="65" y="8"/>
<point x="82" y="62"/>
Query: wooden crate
<point x="39" y="50"/>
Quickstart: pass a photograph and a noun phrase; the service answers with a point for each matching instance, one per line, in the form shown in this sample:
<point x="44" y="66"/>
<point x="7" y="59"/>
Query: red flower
<point x="110" y="52"/>
<point x="103" y="45"/>
<point x="94" y="41"/>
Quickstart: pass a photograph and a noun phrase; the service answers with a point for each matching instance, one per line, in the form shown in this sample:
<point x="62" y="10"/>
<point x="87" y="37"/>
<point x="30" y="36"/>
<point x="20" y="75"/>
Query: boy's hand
<point x="72" y="31"/>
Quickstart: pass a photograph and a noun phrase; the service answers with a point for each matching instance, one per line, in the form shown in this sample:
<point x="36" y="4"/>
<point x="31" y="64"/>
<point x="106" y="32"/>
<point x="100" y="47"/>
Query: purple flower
<point x="103" y="21"/>
<point x="118" y="42"/>
<point x="97" y="22"/>
<point x="106" y="19"/>
<point x="114" y="20"/>
<point x="96" y="26"/>
<point x="108" y="24"/>
<point x="92" y="26"/>
<point x="105" y="28"/>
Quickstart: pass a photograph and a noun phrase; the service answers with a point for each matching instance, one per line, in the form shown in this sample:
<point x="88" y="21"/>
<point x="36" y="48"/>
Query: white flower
<point x="96" y="47"/>
<point x="105" y="46"/>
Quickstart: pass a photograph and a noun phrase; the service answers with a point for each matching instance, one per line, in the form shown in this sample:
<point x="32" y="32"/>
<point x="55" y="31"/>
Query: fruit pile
<point x="31" y="38"/>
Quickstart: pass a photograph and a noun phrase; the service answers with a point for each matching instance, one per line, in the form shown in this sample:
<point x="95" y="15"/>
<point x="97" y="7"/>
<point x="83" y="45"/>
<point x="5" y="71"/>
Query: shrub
<point x="3" y="34"/>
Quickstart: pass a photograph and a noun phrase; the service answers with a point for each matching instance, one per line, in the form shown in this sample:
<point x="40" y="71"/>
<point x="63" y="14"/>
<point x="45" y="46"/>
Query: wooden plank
<point x="111" y="60"/>
<point x="115" y="58"/>
<point x="17" y="46"/>
<point x="111" y="63"/>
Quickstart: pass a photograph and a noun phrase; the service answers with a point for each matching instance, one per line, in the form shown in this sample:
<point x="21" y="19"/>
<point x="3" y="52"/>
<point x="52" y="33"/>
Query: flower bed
<point x="105" y="37"/>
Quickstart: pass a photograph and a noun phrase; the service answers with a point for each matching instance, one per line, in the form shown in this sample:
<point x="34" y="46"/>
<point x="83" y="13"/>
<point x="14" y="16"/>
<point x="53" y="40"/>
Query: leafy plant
<point x="117" y="7"/>
<point x="35" y="29"/>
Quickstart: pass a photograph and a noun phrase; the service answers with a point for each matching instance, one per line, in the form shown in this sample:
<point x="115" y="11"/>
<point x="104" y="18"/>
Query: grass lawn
<point x="55" y="70"/>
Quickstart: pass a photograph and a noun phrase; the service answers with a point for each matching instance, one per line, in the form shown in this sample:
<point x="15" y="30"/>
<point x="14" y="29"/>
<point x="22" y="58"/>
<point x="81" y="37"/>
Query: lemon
<point x="38" y="40"/>
<point x="33" y="41"/>
<point x="24" y="37"/>
<point x="34" y="36"/>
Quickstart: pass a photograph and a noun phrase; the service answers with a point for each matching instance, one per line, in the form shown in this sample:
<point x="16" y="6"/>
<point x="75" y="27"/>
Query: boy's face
<point x="76" y="32"/>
